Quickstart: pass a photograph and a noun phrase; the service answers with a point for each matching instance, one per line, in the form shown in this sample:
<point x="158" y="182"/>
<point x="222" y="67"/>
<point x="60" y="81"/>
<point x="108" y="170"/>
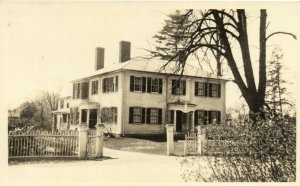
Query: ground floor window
<point x="64" y="116"/>
<point x="141" y="115"/>
<point x="84" y="115"/>
<point x="109" y="115"/>
<point x="74" y="115"/>
<point x="204" y="117"/>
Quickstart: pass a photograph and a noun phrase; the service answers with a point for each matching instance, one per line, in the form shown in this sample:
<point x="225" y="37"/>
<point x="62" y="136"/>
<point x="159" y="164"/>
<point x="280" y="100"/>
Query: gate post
<point x="99" y="140"/>
<point x="199" y="136"/>
<point x="170" y="139"/>
<point x="83" y="139"/>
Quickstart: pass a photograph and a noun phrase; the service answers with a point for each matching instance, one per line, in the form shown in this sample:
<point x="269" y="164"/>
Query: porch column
<point x="88" y="117"/>
<point x="175" y="120"/>
<point x="193" y="121"/>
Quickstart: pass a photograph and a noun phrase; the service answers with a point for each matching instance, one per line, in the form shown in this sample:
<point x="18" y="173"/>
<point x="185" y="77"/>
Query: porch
<point x="181" y="114"/>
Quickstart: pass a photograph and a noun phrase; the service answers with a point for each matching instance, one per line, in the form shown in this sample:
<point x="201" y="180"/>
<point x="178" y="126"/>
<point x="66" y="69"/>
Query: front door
<point x="93" y="119"/>
<point x="180" y="120"/>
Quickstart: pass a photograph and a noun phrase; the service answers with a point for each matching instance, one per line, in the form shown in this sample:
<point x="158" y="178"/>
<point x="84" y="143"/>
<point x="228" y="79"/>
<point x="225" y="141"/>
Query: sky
<point x="44" y="46"/>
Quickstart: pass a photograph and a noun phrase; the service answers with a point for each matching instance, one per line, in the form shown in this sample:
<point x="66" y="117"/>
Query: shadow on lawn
<point x="47" y="160"/>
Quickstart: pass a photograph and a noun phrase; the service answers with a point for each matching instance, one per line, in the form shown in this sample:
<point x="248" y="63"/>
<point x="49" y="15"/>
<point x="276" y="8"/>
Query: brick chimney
<point x="124" y="53"/>
<point x="99" y="64"/>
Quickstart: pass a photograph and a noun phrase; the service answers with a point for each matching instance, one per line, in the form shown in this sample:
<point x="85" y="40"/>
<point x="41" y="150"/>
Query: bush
<point x="271" y="157"/>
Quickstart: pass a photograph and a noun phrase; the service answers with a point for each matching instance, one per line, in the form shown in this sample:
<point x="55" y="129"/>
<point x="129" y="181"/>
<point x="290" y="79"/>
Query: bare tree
<point x="217" y="30"/>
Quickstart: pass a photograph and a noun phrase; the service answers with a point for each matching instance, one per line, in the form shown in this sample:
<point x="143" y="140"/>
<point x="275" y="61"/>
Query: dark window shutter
<point x="78" y="90"/>
<point x="171" y="116"/>
<point x="205" y="117"/>
<point x="144" y="84"/>
<point x="74" y="90"/>
<point x="159" y="116"/>
<point x="219" y="90"/>
<point x="196" y="117"/>
<point x="149" y="84"/>
<point x="206" y="89"/>
<point x="209" y="117"/>
<point x="210" y="89"/>
<point x="183" y="87"/>
<point x="131" y="83"/>
<point x="130" y="114"/>
<point x="173" y="86"/>
<point x="148" y="115"/>
<point x="160" y="86"/>
<point x="196" y="88"/>
<point x="143" y="115"/>
<point x="103" y="85"/>
<point x="219" y="117"/>
<point x="85" y="90"/>
<point x="116" y="83"/>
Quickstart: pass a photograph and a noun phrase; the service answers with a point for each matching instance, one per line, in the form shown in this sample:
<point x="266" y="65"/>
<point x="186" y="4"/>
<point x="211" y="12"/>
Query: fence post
<point x="99" y="140"/>
<point x="199" y="136"/>
<point x="83" y="139"/>
<point x="170" y="139"/>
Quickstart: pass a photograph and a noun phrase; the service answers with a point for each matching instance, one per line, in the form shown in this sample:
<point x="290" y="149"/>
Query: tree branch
<point x="279" y="32"/>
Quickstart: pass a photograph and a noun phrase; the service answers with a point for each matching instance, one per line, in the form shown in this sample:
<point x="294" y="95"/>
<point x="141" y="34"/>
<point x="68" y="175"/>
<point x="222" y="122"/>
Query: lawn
<point x="142" y="145"/>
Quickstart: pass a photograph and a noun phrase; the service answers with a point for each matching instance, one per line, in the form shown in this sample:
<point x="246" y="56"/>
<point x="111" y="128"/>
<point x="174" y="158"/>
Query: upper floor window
<point x="137" y="84"/>
<point x="154" y="85"/>
<point x="200" y="89"/>
<point x="81" y="90"/>
<point x="178" y="87"/>
<point x="207" y="89"/>
<point x="110" y="84"/>
<point x="94" y="87"/>
<point x="67" y="105"/>
<point x="141" y="84"/>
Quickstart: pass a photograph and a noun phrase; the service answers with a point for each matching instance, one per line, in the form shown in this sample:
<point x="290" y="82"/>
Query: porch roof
<point x="182" y="106"/>
<point x="61" y="111"/>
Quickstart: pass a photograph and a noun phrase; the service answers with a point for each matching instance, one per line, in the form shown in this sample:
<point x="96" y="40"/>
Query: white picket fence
<point x="84" y="143"/>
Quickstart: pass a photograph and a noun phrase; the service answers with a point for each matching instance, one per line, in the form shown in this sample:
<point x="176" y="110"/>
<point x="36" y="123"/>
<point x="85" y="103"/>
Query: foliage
<point x="276" y="93"/>
<point x="36" y="113"/>
<point x="271" y="156"/>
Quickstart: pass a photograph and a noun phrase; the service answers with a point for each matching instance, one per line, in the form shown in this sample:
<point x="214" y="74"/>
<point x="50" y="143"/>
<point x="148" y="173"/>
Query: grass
<point x="142" y="145"/>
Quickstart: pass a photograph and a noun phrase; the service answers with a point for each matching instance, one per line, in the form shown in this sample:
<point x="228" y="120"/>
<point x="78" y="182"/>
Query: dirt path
<point x="120" y="166"/>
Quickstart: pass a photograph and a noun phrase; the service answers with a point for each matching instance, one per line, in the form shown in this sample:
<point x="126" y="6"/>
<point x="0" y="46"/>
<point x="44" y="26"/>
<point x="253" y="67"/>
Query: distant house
<point x="61" y="119"/>
<point x="136" y="97"/>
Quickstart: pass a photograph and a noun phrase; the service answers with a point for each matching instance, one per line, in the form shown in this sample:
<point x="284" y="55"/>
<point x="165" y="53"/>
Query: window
<point x="200" y="89"/>
<point x="76" y="90"/>
<point x="178" y="87"/>
<point x="137" y="84"/>
<point x="214" y="117"/>
<point x="214" y="90"/>
<point x="137" y="115"/>
<point x="84" y="115"/>
<point x="154" y="85"/>
<point x="109" y="115"/>
<point x="64" y="118"/>
<point x="85" y="90"/>
<point x="110" y="84"/>
<point x="153" y="116"/>
<point x="200" y="117"/>
<point x="94" y="87"/>
<point x="67" y="105"/>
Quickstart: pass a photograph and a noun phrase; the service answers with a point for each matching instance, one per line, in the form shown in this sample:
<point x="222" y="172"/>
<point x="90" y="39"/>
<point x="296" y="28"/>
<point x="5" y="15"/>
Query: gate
<point x="191" y="144"/>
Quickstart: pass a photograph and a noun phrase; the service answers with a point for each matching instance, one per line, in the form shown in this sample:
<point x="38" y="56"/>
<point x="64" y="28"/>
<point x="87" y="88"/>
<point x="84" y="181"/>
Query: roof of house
<point x="152" y="65"/>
